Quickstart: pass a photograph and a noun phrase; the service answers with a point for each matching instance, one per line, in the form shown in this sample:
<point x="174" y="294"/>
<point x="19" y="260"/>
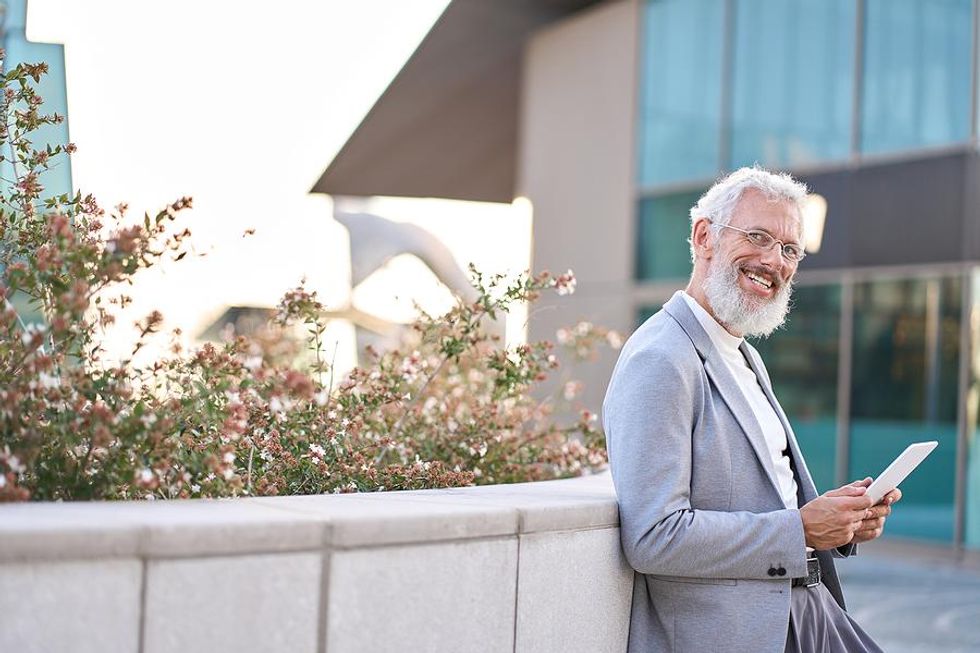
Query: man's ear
<point x="701" y="238"/>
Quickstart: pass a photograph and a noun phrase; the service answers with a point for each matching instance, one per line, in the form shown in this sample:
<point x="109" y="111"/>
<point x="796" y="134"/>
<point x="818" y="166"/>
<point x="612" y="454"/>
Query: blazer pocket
<point x="696" y="581"/>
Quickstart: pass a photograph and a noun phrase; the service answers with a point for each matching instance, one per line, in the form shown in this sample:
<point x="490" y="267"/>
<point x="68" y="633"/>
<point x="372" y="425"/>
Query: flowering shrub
<point x="450" y="407"/>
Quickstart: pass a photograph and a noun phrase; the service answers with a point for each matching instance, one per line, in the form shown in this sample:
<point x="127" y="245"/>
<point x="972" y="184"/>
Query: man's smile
<point x="759" y="282"/>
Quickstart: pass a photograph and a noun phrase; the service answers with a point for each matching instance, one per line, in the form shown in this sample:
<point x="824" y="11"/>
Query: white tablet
<point x="901" y="467"/>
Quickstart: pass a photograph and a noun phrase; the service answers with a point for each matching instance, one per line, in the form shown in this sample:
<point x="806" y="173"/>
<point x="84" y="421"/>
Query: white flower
<point x="275" y="405"/>
<point x="614" y="339"/>
<point x="252" y="363"/>
<point x="3" y="481"/>
<point x="228" y="473"/>
<point x="564" y="336"/>
<point x="321" y="397"/>
<point x="317" y="450"/>
<point x="571" y="390"/>
<point x="49" y="381"/>
<point x="228" y="458"/>
<point x="13" y="462"/>
<point x="583" y="328"/>
<point x="565" y="283"/>
<point x="146" y="476"/>
<point x="195" y="488"/>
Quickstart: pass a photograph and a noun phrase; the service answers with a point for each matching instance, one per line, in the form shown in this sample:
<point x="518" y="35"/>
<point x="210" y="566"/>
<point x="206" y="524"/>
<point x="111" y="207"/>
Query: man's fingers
<point x="893" y="497"/>
<point x="860" y="502"/>
<point x="864" y="482"/>
<point x="847" y="491"/>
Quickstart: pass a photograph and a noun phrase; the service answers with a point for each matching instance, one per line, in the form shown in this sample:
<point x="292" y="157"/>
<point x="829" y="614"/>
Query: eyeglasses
<point x="791" y="251"/>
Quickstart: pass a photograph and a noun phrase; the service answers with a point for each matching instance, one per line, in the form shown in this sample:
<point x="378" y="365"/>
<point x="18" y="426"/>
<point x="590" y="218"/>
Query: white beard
<point x="739" y="313"/>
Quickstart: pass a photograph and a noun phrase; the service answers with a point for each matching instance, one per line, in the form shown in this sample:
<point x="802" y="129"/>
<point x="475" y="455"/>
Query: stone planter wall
<point x="528" y="567"/>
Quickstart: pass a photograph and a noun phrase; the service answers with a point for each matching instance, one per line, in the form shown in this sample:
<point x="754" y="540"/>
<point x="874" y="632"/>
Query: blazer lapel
<point x="807" y="488"/>
<point x="727" y="386"/>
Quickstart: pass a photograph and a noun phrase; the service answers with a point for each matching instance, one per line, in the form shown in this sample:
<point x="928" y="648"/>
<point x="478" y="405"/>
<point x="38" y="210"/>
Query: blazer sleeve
<point x="651" y="409"/>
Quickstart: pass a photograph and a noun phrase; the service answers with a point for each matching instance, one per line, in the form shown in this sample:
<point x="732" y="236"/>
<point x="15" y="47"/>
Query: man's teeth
<point x="759" y="280"/>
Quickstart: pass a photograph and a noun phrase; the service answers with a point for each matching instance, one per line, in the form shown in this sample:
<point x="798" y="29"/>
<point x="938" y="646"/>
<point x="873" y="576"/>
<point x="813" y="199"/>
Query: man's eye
<point x="760" y="238"/>
<point x="793" y="252"/>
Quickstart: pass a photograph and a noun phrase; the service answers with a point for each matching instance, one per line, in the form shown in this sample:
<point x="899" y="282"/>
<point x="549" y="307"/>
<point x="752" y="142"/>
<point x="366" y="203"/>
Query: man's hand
<point x="872" y="526"/>
<point x="832" y="519"/>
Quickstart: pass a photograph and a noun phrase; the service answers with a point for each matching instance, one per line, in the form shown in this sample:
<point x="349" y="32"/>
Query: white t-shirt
<point x="728" y="346"/>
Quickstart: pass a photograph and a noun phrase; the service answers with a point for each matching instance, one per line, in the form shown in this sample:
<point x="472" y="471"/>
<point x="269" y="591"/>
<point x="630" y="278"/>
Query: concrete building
<point x="612" y="117"/>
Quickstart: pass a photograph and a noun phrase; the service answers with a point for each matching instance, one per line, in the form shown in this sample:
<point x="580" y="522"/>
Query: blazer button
<point x="772" y="571"/>
<point x="781" y="571"/>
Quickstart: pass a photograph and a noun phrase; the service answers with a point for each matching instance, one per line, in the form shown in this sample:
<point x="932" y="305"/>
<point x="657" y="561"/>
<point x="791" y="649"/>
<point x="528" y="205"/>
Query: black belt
<point x="812" y="578"/>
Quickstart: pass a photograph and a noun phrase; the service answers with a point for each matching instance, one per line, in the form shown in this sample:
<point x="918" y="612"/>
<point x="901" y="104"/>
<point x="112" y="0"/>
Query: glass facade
<point x="773" y="83"/>
<point x="680" y="97"/>
<point x="916" y="80"/>
<point x="792" y="82"/>
<point x="795" y="83"/>
<point x="972" y="480"/>
<point x="904" y="390"/>
<point x="663" y="229"/>
<point x="802" y="359"/>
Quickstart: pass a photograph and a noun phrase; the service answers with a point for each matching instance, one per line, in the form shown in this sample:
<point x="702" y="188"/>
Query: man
<point x="732" y="546"/>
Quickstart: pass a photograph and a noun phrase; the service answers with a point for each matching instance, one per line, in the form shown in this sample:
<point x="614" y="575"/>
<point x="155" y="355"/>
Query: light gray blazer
<point x="701" y="518"/>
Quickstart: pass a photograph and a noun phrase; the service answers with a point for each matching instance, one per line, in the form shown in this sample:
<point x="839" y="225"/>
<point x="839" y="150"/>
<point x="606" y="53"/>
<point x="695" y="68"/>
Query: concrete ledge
<point x="428" y="570"/>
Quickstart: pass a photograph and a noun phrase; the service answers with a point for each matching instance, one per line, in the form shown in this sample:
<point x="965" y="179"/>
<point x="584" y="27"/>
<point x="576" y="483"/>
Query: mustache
<point x="778" y="281"/>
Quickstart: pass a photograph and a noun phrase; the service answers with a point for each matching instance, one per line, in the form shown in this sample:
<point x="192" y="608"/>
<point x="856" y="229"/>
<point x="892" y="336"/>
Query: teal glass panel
<point x="802" y="359"/>
<point x="972" y="504"/>
<point x="662" y="232"/>
<point x="904" y="390"/>
<point x="52" y="87"/>
<point x="680" y="90"/>
<point x="916" y="83"/>
<point x="792" y="82"/>
<point x="644" y="313"/>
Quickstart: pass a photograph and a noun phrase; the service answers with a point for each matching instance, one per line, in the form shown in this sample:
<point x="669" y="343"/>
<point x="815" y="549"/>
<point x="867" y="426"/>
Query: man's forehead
<point x="755" y="209"/>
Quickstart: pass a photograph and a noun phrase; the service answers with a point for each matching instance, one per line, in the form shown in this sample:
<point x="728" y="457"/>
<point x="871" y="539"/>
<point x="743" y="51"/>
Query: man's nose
<point x="773" y="257"/>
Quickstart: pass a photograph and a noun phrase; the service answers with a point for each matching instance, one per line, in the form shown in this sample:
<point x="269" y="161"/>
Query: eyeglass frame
<point x="772" y="240"/>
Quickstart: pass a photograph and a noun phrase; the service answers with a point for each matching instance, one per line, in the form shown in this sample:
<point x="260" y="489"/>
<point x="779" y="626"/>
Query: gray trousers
<point x="818" y="625"/>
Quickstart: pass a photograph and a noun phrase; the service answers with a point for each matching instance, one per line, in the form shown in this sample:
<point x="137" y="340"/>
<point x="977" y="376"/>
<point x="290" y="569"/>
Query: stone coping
<point x="208" y="527"/>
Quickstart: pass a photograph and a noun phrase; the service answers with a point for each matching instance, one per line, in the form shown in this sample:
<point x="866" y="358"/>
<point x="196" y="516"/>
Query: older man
<point x="732" y="546"/>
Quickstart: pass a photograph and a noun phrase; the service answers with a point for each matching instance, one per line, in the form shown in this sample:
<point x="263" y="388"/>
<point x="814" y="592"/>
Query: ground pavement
<point x="912" y="600"/>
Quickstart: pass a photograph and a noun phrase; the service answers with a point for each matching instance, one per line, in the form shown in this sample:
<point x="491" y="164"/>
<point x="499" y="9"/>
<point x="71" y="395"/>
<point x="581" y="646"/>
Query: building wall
<point x="579" y="74"/>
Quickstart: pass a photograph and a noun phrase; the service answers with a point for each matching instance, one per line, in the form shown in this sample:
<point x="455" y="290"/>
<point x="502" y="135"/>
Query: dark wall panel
<point x="903" y="213"/>
<point x="910" y="212"/>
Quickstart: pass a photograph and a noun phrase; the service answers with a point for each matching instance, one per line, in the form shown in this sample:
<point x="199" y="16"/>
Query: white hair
<point x="718" y="202"/>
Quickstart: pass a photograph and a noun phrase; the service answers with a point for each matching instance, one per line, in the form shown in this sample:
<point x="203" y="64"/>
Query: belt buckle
<point x="812" y="572"/>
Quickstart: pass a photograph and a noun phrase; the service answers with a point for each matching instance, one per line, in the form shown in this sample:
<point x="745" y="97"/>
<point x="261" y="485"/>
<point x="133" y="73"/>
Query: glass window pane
<point x="904" y="390"/>
<point x="972" y="530"/>
<point x="663" y="228"/>
<point x="802" y="362"/>
<point x="916" y="85"/>
<point x="793" y="81"/>
<point x="680" y="91"/>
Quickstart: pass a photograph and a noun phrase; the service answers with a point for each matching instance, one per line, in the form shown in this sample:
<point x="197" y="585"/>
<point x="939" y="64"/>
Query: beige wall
<point x="575" y="164"/>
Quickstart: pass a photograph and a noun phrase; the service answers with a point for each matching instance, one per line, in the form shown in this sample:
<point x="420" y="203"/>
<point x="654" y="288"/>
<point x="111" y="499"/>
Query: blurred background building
<point x="612" y="117"/>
